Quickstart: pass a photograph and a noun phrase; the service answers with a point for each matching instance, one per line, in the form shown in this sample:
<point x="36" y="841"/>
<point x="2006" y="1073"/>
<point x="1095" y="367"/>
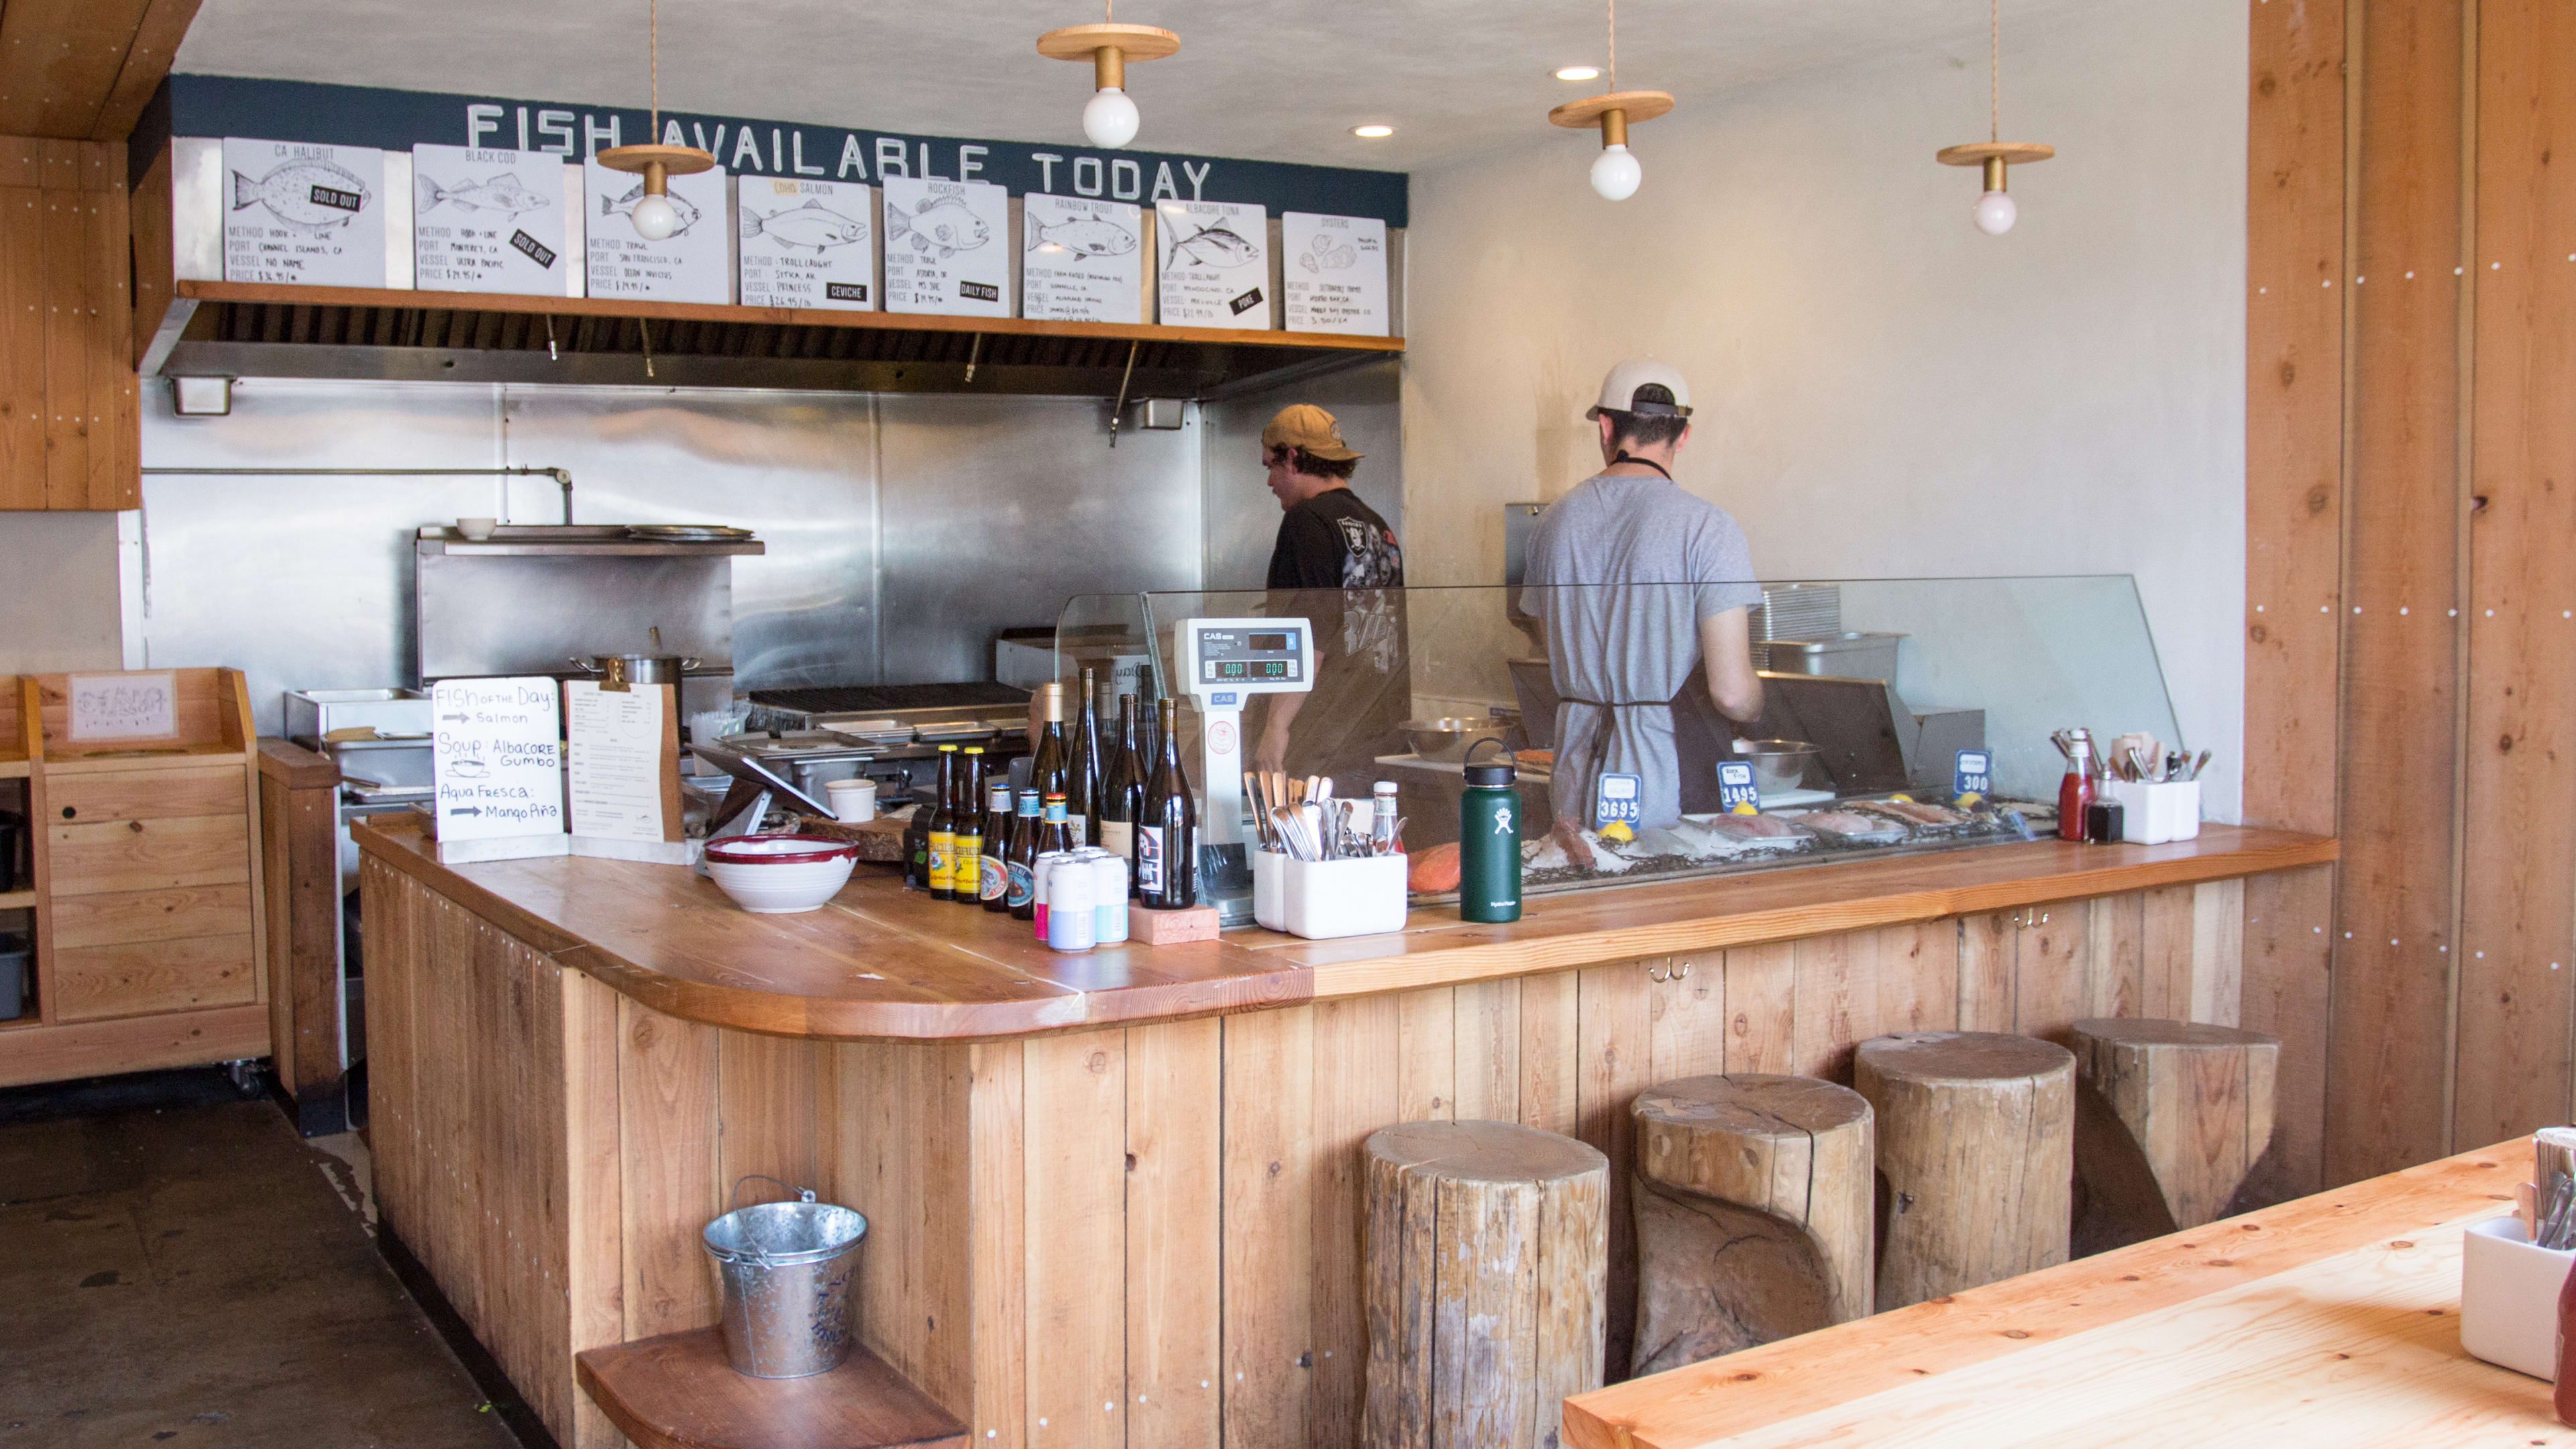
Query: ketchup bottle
<point x="2076" y="790"/>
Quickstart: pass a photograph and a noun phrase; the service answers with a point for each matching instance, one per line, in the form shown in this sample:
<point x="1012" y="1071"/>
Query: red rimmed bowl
<point x="777" y="875"/>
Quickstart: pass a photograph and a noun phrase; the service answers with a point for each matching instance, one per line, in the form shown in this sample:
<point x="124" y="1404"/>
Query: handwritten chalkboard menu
<point x="498" y="761"/>
<point x="807" y="244"/>
<point x="301" y="212"/>
<point x="1215" y="263"/>
<point x="486" y="220"/>
<point x="1333" y="271"/>
<point x="692" y="264"/>
<point x="947" y="247"/>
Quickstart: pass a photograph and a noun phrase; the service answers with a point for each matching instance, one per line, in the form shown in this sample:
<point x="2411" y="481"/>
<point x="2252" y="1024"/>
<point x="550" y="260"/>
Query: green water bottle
<point x="1489" y="839"/>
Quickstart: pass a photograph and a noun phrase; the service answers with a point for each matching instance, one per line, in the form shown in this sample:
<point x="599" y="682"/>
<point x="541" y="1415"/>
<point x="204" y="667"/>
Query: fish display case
<point x="1855" y="764"/>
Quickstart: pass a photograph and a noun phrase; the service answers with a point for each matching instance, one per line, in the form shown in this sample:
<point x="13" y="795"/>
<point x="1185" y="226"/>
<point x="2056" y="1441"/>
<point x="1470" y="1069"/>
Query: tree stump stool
<point x="1976" y="1157"/>
<point x="1488" y="1283"/>
<point x="2172" y="1116"/>
<point x="1753" y="1214"/>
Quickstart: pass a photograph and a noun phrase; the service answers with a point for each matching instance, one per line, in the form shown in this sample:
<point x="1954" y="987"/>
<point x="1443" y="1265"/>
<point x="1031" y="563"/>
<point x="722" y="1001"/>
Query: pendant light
<point x="1995" y="213"/>
<point x="654" y="217"/>
<point x="1615" y="172"/>
<point x="1109" y="118"/>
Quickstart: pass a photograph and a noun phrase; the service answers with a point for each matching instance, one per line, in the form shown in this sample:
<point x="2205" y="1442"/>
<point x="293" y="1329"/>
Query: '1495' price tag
<point x="1736" y="794"/>
<point x="1973" y="775"/>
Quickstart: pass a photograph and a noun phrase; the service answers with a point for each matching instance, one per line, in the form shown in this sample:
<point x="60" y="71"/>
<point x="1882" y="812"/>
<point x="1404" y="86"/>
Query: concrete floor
<point x="199" y="1276"/>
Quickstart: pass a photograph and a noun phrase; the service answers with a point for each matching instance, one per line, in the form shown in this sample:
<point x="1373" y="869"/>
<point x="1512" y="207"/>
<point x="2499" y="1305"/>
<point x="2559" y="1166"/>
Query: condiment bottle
<point x="1382" y="837"/>
<point x="2075" y="791"/>
<point x="1489" y="840"/>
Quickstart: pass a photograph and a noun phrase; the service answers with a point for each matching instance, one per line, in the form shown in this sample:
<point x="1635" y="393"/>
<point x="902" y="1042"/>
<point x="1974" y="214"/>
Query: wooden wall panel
<point x="595" y="1256"/>
<point x="766" y="1093"/>
<point x="1761" y="996"/>
<point x="1688" y="1011"/>
<point x="1487" y="1040"/>
<point x="1615" y="1042"/>
<point x="22" y="346"/>
<point x="1551" y="1056"/>
<point x="994" y="1398"/>
<point x="1837" y="1003"/>
<point x="2516" y="998"/>
<point x="1356" y="1093"/>
<point x="1427" y="1055"/>
<point x="2053" y="969"/>
<point x="1174" y="1248"/>
<point x="1269" y="1225"/>
<point x="1076" y="1095"/>
<point x="668" y="1129"/>
<point x="1989" y="952"/>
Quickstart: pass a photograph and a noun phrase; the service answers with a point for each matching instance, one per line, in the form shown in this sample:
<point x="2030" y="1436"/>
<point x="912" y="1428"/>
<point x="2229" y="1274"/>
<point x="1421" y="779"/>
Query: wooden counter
<point x="2329" y="1321"/>
<point x="883" y="962"/>
<point x="1115" y="1198"/>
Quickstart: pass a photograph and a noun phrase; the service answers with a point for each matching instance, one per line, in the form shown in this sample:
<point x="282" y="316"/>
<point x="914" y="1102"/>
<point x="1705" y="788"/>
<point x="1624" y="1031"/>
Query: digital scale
<point x="1223" y="662"/>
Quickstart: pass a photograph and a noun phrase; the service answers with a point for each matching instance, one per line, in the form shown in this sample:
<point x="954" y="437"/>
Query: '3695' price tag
<point x="1615" y="801"/>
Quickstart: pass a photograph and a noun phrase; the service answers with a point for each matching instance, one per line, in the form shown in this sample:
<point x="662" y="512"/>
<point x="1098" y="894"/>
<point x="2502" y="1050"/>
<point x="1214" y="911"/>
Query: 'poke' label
<point x="1736" y="792"/>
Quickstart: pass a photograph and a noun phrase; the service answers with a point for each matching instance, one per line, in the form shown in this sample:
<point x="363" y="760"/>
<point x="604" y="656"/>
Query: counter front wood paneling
<point x="881" y="962"/>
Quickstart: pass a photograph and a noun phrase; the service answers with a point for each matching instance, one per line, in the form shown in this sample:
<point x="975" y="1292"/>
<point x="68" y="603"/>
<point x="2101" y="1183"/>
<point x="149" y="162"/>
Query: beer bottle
<point x="1167" y="877"/>
<point x="970" y="828"/>
<point x="1082" y="783"/>
<point x="1023" y="899"/>
<point x="916" y="848"/>
<point x="1123" y="791"/>
<point x="943" y="828"/>
<point x="993" y="881"/>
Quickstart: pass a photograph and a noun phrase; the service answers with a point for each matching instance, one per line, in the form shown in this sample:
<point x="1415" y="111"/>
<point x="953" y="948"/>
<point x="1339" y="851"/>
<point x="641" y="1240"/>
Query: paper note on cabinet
<point x="123" y="706"/>
<point x="613" y="747"/>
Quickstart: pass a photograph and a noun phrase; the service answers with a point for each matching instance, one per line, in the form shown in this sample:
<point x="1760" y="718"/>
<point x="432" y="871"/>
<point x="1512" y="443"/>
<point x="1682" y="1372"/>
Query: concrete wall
<point x="1882" y="391"/>
<point x="58" y="593"/>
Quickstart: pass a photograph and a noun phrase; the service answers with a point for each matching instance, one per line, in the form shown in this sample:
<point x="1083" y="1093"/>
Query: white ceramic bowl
<point x="777" y="875"/>
<point x="477" y="529"/>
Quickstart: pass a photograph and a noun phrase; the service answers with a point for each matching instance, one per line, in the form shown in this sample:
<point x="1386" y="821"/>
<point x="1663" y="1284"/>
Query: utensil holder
<point x="2153" y="813"/>
<point x="1322" y="899"/>
<point x="2509" y="1296"/>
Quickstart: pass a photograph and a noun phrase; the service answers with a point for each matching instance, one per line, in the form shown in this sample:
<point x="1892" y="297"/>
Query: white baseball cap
<point x="1643" y="386"/>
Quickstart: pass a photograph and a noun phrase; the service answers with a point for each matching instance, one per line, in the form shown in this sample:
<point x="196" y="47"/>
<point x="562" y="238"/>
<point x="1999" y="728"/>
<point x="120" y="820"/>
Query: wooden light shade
<point x="1108" y="46"/>
<point x="653" y="162"/>
<point x="1613" y="112"/>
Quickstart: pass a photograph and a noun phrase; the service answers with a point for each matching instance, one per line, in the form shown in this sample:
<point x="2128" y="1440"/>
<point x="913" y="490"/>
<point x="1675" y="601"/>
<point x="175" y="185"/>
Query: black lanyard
<point x="1626" y="457"/>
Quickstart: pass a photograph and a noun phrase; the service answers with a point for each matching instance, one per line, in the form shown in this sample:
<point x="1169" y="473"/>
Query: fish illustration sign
<point x="693" y="264"/>
<point x="947" y="247"/>
<point x="1335" y="277"/>
<point x="296" y="212"/>
<point x="1215" y="268"/>
<point x="806" y="244"/>
<point x="486" y="220"/>
<point x="1082" y="260"/>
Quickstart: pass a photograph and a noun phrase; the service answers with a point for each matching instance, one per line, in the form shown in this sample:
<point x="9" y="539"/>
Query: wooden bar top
<point x="2329" y="1321"/>
<point x="881" y="962"/>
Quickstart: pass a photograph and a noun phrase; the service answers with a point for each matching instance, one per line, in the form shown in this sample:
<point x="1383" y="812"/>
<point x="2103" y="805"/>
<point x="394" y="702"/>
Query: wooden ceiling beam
<point x="83" y="69"/>
<point x="147" y="62"/>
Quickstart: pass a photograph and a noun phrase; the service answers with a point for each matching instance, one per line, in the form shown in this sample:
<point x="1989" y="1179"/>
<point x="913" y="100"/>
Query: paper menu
<point x="1214" y="263"/>
<point x="619" y="746"/>
<point x="693" y="264"/>
<point x="497" y="758"/>
<point x="1333" y="271"/>
<point x="947" y="247"/>
<point x="487" y="220"/>
<point x="123" y="706"/>
<point x="1082" y="260"/>
<point x="303" y="213"/>
<point x="807" y="243"/>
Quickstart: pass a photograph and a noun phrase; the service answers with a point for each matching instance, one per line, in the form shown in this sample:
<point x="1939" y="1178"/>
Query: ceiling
<point x="1281" y="80"/>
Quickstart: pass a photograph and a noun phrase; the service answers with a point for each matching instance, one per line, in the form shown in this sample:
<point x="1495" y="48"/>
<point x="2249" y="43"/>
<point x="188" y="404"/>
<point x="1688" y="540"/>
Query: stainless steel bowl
<point x="1778" y="765"/>
<point x="1447" y="740"/>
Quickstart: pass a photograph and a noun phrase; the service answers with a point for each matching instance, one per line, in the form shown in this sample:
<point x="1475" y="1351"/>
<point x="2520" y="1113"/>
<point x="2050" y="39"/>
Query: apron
<point x="1595" y="737"/>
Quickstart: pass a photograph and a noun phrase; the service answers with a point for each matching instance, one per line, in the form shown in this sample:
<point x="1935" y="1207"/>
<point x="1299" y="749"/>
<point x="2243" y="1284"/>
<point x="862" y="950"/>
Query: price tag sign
<point x="1973" y="775"/>
<point x="1615" y="801"/>
<point x="1736" y="794"/>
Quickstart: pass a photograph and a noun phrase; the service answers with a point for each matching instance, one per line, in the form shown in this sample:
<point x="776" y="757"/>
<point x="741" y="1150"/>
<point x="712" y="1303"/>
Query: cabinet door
<point x="147" y="855"/>
<point x="147" y="794"/>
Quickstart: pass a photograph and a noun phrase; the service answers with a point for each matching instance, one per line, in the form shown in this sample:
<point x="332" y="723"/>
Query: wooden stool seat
<point x="1488" y="1283"/>
<point x="1976" y="1143"/>
<point x="1753" y="1213"/>
<point x="2172" y="1116"/>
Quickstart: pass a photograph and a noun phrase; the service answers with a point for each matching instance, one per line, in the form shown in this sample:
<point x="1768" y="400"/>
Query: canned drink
<point x="1070" y="923"/>
<point x="1109" y="897"/>
<point x="1038" y="875"/>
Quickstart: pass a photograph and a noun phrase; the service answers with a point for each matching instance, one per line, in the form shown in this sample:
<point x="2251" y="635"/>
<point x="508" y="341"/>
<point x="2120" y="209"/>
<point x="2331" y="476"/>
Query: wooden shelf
<point x="17" y="900"/>
<point x="676" y="1391"/>
<point x="13" y="769"/>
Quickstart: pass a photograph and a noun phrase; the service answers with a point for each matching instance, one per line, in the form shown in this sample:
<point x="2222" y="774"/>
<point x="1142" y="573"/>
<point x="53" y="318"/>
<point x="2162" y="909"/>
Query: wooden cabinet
<point x="145" y="896"/>
<point x="70" y="413"/>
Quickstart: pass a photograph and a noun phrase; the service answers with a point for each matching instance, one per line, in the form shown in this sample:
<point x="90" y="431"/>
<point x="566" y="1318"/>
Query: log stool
<point x="1753" y="1214"/>
<point x="2171" y="1117"/>
<point x="1976" y="1139"/>
<point x="1488" y="1283"/>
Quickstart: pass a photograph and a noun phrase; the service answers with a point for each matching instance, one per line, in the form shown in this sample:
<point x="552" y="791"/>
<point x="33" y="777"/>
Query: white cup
<point x="852" y="801"/>
<point x="477" y="529"/>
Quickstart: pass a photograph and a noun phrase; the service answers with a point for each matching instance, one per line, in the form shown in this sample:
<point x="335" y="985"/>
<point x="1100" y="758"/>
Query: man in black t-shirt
<point x="1330" y="540"/>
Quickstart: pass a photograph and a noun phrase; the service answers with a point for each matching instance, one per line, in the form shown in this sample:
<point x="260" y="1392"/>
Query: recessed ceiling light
<point x="1579" y="72"/>
<point x="1373" y="132"/>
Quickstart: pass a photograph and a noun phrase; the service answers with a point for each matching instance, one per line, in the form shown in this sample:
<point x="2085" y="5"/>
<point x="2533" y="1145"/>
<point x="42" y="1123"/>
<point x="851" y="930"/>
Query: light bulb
<point x="1615" y="173"/>
<point x="655" y="217"/>
<point x="1995" y="213"/>
<point x="1109" y="118"/>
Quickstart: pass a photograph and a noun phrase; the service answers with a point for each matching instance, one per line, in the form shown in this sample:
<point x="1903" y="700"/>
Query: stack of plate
<point x="687" y="532"/>
<point x="1796" y="611"/>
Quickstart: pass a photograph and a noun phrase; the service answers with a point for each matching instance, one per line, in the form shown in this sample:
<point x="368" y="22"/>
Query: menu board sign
<point x="615" y="755"/>
<point x="947" y="247"/>
<point x="1083" y="260"/>
<point x="693" y="264"/>
<point x="1214" y="263"/>
<point x="497" y="758"/>
<point x="304" y="213"/>
<point x="485" y="220"/>
<point x="124" y="706"/>
<point x="1333" y="272"/>
<point x="806" y="244"/>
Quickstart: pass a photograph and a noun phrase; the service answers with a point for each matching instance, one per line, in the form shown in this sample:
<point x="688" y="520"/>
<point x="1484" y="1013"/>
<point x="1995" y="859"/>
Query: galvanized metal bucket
<point x="787" y="1269"/>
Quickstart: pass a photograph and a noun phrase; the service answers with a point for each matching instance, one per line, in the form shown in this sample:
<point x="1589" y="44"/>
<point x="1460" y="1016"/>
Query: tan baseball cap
<point x="1304" y="425"/>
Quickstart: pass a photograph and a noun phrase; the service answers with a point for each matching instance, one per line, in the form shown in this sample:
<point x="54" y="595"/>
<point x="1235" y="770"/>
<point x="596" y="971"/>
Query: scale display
<point x="1274" y="657"/>
<point x="1224" y="662"/>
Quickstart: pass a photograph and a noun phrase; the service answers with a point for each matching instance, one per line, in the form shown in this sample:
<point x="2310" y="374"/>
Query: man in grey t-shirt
<point x="1638" y="581"/>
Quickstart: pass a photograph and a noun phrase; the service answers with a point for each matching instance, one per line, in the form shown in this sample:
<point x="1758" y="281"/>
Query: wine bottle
<point x="968" y="886"/>
<point x="1122" y="794"/>
<point x="1167" y="832"/>
<point x="1052" y="761"/>
<point x="943" y="828"/>
<point x="1023" y="898"/>
<point x="993" y="882"/>
<point x="916" y="848"/>
<point x="1082" y="783"/>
